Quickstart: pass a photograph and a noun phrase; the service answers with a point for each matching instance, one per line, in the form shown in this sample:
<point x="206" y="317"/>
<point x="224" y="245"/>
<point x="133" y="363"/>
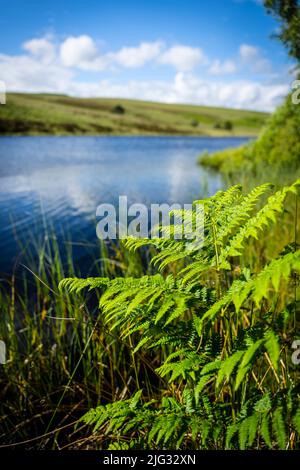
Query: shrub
<point x="228" y="126"/>
<point x="118" y="109"/>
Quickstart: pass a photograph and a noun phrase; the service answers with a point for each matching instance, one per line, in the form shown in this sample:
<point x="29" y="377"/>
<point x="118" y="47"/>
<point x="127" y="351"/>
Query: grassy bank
<point x="274" y="156"/>
<point x="42" y="114"/>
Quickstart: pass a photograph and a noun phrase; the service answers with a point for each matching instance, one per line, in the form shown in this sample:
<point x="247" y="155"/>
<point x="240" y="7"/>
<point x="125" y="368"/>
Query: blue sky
<point x="205" y="52"/>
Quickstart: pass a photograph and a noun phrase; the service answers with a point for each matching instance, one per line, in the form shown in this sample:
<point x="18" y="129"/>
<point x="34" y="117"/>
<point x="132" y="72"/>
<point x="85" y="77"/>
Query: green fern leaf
<point x="279" y="428"/>
<point x="265" y="431"/>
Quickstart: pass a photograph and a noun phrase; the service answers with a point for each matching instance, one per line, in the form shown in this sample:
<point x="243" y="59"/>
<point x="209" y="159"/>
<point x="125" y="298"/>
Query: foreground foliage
<point x="222" y="326"/>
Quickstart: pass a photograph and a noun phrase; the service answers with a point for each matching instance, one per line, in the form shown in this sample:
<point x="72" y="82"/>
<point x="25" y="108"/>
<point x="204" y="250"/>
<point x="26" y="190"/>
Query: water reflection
<point x="62" y="180"/>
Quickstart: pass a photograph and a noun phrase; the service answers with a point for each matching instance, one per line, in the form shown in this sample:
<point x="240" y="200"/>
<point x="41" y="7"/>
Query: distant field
<point x="38" y="114"/>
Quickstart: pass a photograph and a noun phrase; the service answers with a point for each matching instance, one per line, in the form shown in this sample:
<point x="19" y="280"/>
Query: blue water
<point x="58" y="182"/>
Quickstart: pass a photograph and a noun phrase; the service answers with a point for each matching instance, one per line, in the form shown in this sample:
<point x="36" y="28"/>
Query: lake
<point x="56" y="183"/>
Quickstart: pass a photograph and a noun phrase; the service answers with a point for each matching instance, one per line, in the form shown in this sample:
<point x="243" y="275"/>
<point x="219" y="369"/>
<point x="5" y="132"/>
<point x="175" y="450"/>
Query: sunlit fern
<point x="226" y="332"/>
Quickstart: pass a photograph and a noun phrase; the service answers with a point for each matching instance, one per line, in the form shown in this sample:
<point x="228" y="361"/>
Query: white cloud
<point x="81" y="52"/>
<point x="26" y="73"/>
<point x="183" y="58"/>
<point x="245" y="94"/>
<point x="41" y="48"/>
<point x="133" y="57"/>
<point x="251" y="56"/>
<point x="248" y="53"/>
<point x="222" y="68"/>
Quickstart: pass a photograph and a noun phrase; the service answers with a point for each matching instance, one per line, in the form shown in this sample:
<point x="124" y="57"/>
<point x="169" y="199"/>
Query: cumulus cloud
<point x="183" y="58"/>
<point x="251" y="56"/>
<point x="237" y="94"/>
<point x="41" y="48"/>
<point x="81" y="52"/>
<point x="133" y="57"/>
<point x="248" y="52"/>
<point x="26" y="73"/>
<point x="221" y="68"/>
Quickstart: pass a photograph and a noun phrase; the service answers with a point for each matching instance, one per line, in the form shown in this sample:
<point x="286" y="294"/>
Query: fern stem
<point x="295" y="249"/>
<point x="134" y="363"/>
<point x="215" y="243"/>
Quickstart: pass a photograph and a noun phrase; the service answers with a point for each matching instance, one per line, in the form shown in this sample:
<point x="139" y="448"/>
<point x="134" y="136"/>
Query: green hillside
<point x="38" y="114"/>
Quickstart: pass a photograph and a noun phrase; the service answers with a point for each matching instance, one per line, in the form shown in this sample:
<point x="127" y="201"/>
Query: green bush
<point x="227" y="125"/>
<point x="118" y="109"/>
<point x="229" y="160"/>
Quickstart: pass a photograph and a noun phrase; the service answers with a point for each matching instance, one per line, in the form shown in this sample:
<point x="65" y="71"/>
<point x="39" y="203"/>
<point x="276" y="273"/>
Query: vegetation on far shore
<point x="276" y="151"/>
<point x="44" y="114"/>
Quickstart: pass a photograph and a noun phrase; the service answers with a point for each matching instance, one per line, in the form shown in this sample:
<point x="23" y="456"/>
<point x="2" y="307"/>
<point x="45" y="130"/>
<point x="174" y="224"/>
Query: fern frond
<point x="73" y="284"/>
<point x="262" y="219"/>
<point x="279" y="428"/>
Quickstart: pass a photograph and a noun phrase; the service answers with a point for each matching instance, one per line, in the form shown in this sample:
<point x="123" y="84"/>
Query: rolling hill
<point x="44" y="114"/>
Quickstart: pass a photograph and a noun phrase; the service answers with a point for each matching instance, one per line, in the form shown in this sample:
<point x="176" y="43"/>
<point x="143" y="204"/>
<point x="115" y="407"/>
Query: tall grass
<point x="61" y="359"/>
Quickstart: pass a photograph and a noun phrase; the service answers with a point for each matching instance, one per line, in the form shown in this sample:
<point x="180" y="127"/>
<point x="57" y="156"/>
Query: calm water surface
<point x="58" y="182"/>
